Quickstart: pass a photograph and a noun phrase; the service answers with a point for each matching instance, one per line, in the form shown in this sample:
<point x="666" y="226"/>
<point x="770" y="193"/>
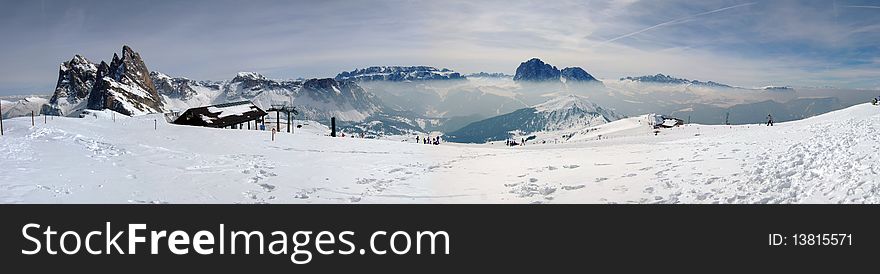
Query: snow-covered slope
<point x="831" y="158"/>
<point x="565" y="112"/>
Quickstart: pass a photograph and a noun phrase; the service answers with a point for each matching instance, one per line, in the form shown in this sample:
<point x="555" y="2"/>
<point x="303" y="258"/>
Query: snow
<point x="250" y="75"/>
<point x="669" y="122"/>
<point x="628" y="127"/>
<point x="239" y="109"/>
<point x="831" y="158"/>
<point x="565" y="102"/>
<point x="131" y="89"/>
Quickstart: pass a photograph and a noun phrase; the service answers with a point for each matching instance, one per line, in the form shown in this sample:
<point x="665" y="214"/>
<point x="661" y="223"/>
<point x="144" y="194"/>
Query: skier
<point x="875" y="100"/>
<point x="769" y="120"/>
<point x="417" y="139"/>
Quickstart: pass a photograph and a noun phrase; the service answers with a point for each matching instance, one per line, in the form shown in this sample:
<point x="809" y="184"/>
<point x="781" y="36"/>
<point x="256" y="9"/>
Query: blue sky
<point x="746" y="43"/>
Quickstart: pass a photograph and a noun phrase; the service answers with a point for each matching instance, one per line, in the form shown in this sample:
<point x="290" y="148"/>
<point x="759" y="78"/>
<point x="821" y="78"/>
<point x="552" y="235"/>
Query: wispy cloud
<point x="677" y="21"/>
<point x="862" y="7"/>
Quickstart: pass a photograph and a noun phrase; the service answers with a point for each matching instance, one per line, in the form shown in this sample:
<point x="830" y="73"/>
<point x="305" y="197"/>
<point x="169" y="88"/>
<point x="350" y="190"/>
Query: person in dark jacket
<point x="769" y="120"/>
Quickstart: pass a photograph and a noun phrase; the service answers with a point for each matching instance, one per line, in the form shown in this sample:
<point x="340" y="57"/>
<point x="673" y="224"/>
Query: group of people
<point x="427" y="140"/>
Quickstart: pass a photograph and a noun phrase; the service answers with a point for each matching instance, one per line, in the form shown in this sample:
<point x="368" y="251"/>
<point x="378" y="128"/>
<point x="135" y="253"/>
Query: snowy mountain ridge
<point x="566" y="112"/>
<point x="399" y="73"/>
<point x="667" y="79"/>
<point x="565" y="102"/>
<point x="572" y="111"/>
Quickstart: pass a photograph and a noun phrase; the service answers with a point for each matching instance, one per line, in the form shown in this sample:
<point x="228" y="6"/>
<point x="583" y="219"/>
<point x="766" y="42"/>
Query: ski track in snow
<point x="832" y="158"/>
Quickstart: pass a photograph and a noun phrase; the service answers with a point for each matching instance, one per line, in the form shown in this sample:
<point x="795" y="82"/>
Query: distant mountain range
<point x="489" y="75"/>
<point x="398" y="73"/>
<point x="670" y="80"/>
<point x="404" y="100"/>
<point x="666" y="79"/>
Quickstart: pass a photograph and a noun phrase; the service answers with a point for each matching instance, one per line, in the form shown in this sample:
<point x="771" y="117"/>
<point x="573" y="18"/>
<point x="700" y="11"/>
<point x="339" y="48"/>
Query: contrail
<point x="862" y="7"/>
<point x="679" y="20"/>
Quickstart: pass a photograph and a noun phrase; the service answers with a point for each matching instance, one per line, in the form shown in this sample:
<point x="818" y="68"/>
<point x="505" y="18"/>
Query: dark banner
<point x="435" y="238"/>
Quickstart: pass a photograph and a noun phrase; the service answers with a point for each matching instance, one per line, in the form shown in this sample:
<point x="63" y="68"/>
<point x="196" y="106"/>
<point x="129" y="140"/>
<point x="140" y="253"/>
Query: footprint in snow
<point x="573" y="187"/>
<point x="267" y="187"/>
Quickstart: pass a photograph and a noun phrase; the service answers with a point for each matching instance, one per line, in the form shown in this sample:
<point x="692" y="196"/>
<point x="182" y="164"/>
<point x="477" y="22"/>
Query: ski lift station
<point x="231" y="115"/>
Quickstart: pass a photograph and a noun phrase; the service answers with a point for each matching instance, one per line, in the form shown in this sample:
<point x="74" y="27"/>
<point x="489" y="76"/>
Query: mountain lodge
<point x="221" y="115"/>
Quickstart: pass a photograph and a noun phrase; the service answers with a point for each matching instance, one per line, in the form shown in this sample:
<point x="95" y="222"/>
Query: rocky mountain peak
<point x="246" y="76"/>
<point x="75" y="79"/>
<point x="576" y="74"/>
<point x="178" y="88"/>
<point x="536" y="70"/>
<point x="125" y="86"/>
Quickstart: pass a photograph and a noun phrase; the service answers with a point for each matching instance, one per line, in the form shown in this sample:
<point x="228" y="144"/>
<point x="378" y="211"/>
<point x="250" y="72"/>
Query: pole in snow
<point x="288" y="121"/>
<point x="332" y="126"/>
<point x="278" y="119"/>
<point x="155" y="124"/>
<point x="32" y="118"/>
<point x="45" y="119"/>
<point x="1" y="119"/>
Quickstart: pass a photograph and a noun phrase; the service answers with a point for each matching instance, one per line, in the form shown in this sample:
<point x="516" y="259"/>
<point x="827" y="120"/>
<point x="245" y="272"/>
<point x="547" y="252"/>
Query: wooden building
<point x="222" y="115"/>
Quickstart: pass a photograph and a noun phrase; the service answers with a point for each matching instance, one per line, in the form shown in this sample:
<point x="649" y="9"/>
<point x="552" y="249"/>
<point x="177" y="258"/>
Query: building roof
<point x="221" y="115"/>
